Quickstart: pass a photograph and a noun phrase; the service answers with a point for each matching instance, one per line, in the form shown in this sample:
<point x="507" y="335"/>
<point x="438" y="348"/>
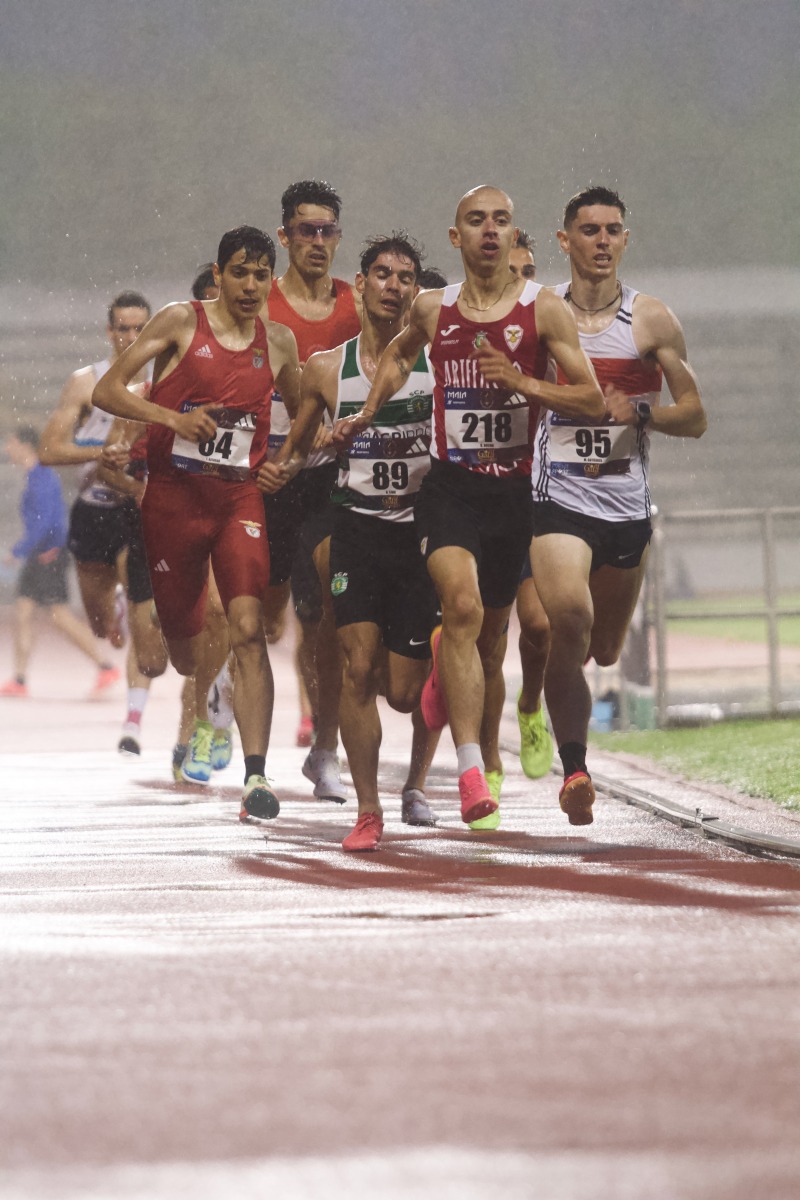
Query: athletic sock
<point x="573" y="758"/>
<point x="469" y="755"/>
<point x="254" y="764"/>
<point x="137" y="698"/>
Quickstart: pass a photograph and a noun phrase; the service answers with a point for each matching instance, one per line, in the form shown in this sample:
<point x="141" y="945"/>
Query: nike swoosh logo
<point x="417" y="643"/>
<point x="449" y="330"/>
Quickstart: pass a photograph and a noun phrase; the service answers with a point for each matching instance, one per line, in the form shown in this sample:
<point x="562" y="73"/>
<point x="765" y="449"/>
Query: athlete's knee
<point x="362" y="679"/>
<point x="605" y="650"/>
<point x="181" y="658"/>
<point x="403" y="699"/>
<point x="152" y="661"/>
<point x="571" y="624"/>
<point x="462" y="612"/>
<point x="247" y="633"/>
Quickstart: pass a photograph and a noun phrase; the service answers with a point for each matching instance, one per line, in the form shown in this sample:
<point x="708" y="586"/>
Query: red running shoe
<point x="577" y="797"/>
<point x="476" y="799"/>
<point x="366" y="833"/>
<point x="106" y="678"/>
<point x="432" y="701"/>
<point x="305" y="732"/>
<point x="14" y="688"/>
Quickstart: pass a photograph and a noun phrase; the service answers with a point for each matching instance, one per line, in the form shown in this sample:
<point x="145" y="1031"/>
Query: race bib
<point x="388" y="469"/>
<point x="590" y="452"/>
<point x="226" y="455"/>
<point x="485" y="425"/>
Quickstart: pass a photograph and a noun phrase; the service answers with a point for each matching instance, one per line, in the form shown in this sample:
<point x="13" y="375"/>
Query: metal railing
<point x="660" y="610"/>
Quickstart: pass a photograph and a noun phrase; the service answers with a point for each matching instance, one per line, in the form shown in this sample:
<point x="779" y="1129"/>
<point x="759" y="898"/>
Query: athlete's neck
<point x="231" y="329"/>
<point x="373" y="340"/>
<point x="590" y="296"/>
<point x="299" y="290"/>
<point x="482" y="293"/>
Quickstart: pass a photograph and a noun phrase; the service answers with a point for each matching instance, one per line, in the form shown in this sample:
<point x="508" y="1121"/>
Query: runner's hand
<point x="272" y="476"/>
<point x="116" y="456"/>
<point x="619" y="406"/>
<point x="346" y="429"/>
<point x="497" y="368"/>
<point x="199" y="424"/>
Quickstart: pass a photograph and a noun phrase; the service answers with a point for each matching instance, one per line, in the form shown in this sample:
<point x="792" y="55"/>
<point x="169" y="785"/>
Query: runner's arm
<point x="685" y="417"/>
<point x="116" y="456"/>
<point x="396" y="364"/>
<point x="285" y="366"/>
<point x="581" y="395"/>
<point x="57" y="443"/>
<point x="167" y="331"/>
<point x="292" y="455"/>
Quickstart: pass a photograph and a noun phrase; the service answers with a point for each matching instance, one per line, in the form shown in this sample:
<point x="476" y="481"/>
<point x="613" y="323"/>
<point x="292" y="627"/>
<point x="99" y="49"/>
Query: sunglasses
<point x="309" y="231"/>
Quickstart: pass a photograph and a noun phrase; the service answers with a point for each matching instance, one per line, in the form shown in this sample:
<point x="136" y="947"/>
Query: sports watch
<point x="644" y="411"/>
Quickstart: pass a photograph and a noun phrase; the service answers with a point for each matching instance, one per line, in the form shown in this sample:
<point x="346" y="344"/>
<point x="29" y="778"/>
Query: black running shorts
<point x="379" y="576"/>
<point x="618" y="544"/>
<point x="489" y="517"/>
<point x="45" y="582"/>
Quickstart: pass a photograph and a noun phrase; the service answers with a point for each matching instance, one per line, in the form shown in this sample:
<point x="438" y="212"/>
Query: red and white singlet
<point x="479" y="425"/>
<point x="601" y="470"/>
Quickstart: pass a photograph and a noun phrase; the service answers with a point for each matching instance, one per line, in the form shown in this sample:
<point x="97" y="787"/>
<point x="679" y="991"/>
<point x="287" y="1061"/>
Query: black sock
<point x="573" y="758"/>
<point x="254" y="764"/>
<point x="20" y="680"/>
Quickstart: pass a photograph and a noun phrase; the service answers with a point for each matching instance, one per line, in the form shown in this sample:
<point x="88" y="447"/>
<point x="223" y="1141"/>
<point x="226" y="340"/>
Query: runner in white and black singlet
<point x="592" y="501"/>
<point x="383" y="600"/>
<point x="490" y="341"/>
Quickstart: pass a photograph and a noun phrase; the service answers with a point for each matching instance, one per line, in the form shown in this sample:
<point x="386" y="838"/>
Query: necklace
<point x="591" y="311"/>
<point x="497" y="298"/>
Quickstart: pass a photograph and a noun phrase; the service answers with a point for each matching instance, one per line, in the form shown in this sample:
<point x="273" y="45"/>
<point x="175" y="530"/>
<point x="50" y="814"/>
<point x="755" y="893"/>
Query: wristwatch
<point x="644" y="411"/>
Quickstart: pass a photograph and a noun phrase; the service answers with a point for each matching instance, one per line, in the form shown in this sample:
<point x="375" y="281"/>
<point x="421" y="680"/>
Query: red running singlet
<point x="313" y="336"/>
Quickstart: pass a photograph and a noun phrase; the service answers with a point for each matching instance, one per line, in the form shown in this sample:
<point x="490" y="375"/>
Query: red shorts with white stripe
<point x="189" y="522"/>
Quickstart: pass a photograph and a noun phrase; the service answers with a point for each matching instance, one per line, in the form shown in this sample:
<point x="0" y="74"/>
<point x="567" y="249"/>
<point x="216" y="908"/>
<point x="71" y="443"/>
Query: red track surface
<point x="189" y="1010"/>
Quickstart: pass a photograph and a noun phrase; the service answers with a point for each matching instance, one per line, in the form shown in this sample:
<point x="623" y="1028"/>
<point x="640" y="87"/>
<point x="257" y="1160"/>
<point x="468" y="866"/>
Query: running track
<point x="192" y="1011"/>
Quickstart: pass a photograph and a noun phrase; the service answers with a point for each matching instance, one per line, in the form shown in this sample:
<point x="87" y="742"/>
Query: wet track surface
<point x="191" y="1008"/>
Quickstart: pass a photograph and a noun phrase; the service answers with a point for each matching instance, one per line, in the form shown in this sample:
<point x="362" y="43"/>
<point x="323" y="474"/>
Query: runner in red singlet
<point x="490" y="341"/>
<point x="322" y="312"/>
<point x="216" y="363"/>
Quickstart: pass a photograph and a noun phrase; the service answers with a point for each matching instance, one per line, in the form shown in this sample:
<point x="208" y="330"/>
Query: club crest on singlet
<point x="513" y="336"/>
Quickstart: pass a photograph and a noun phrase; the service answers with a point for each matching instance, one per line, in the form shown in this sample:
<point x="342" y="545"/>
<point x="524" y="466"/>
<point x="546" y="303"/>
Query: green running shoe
<point x="197" y="764"/>
<point x="494" y="781"/>
<point x="536" y="744"/>
<point x="221" y="749"/>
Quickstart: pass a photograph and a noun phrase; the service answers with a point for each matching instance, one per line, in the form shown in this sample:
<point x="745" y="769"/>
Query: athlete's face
<point x="595" y="241"/>
<point x="484" y="231"/>
<point x="125" y="327"/>
<point x="521" y="264"/>
<point x="244" y="284"/>
<point x="388" y="287"/>
<point x="311" y="238"/>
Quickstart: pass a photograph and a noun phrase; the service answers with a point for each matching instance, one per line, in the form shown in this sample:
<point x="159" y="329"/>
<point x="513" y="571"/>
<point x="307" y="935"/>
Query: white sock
<point x="469" y="756"/>
<point x="137" y="698"/>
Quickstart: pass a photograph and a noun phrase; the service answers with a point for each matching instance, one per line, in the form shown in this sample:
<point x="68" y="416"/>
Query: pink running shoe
<point x="14" y="688"/>
<point x="577" y="797"/>
<point x="366" y="833"/>
<point x="476" y="799"/>
<point x="305" y="732"/>
<point x="432" y="701"/>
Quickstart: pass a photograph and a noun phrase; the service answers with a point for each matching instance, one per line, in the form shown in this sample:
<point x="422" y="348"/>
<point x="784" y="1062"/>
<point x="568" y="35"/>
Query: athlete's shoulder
<point x="324" y="362"/>
<point x="280" y="336"/>
<point x="654" y="322"/>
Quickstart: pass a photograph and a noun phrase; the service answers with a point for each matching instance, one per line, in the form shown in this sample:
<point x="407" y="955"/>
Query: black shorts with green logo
<point x="379" y="576"/>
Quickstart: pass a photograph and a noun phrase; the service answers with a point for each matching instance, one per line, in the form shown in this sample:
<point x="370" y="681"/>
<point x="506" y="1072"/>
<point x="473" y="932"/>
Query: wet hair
<point x="27" y="434"/>
<point x="397" y="243"/>
<point x="255" y="243"/>
<point x="524" y="241"/>
<point x="127" y="300"/>
<point x="309" y="191"/>
<point x="431" y="277"/>
<point x="591" y="195"/>
<point x="203" y="280"/>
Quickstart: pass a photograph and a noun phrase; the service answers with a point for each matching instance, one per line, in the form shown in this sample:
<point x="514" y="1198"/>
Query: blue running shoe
<point x="197" y="764"/>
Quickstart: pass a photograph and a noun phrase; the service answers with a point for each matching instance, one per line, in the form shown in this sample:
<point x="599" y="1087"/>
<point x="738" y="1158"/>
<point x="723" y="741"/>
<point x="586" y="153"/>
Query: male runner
<point x="103" y="521"/>
<point x="521" y="261"/>
<point x="216" y="365"/>
<point x="490" y="339"/>
<point x="592" y="501"/>
<point x="42" y="581"/>
<point x="383" y="600"/>
<point x="321" y="312"/>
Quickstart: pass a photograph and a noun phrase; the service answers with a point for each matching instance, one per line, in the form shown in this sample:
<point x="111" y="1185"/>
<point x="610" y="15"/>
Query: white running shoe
<point x="415" y="808"/>
<point x="220" y="699"/>
<point x="322" y="768"/>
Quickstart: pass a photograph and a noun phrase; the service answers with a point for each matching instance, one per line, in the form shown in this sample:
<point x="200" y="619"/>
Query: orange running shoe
<point x="432" y="701"/>
<point x="577" y="797"/>
<point x="366" y="833"/>
<point x="476" y="799"/>
<point x="106" y="678"/>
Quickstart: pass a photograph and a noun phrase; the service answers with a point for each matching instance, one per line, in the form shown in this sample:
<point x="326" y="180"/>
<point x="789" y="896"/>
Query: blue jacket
<point x="43" y="512"/>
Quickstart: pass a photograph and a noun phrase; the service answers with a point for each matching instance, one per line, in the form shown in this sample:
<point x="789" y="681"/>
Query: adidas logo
<point x="204" y="352"/>
<point x="162" y="565"/>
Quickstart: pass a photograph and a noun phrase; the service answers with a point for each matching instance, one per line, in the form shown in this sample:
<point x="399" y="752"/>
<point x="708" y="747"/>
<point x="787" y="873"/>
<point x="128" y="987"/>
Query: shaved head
<point x="484" y="196"/>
